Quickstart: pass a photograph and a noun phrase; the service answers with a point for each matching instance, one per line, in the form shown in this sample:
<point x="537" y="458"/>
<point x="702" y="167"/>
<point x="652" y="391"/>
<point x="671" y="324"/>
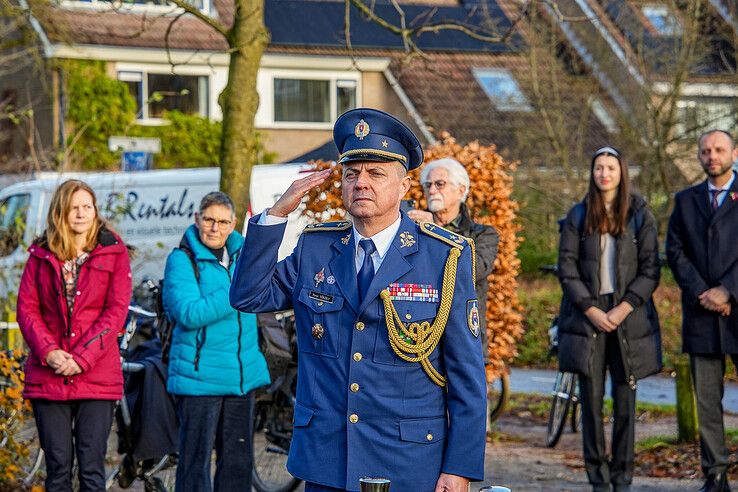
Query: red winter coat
<point x="103" y="295"/>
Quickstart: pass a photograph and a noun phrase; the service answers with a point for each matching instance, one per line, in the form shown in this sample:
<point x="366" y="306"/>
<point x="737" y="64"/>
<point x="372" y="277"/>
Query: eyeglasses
<point x="209" y="222"/>
<point x="440" y="184"/>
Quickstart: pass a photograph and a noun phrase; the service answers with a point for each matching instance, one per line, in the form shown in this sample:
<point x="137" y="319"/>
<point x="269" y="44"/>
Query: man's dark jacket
<point x="637" y="276"/>
<point x="485" y="242"/>
<point x="702" y="249"/>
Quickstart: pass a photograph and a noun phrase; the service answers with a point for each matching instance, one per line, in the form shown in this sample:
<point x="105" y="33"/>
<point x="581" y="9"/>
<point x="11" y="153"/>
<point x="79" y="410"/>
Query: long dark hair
<point x="597" y="219"/>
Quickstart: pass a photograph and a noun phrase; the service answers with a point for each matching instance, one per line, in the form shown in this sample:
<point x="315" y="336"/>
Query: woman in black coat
<point x="609" y="268"/>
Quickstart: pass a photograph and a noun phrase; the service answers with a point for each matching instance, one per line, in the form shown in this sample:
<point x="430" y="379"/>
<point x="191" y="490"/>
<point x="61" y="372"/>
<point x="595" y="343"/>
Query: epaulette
<point x="338" y="225"/>
<point x="442" y="234"/>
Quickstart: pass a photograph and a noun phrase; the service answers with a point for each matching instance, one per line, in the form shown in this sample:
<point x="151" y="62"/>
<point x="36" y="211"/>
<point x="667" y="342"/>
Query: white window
<point x="662" y="19"/>
<point x="604" y="116"/>
<point x="502" y="89"/>
<point x="163" y="6"/>
<point x="156" y="93"/>
<point x="305" y="99"/>
<point x="698" y="114"/>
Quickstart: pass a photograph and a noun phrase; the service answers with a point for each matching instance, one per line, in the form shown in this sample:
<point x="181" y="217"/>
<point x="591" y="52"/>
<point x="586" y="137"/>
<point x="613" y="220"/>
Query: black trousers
<point x="618" y="470"/>
<point x="223" y="422"/>
<point x="66" y="428"/>
<point x="707" y="374"/>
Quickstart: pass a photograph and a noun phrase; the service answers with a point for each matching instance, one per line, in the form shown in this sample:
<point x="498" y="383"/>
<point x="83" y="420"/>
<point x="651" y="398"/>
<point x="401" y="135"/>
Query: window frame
<point x="677" y="26"/>
<point x="522" y="107"/>
<point x="131" y="8"/>
<point x="145" y="118"/>
<point x="265" y="115"/>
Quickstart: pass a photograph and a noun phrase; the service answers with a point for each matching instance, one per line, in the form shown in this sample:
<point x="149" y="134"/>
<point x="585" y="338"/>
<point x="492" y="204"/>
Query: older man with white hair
<point x="446" y="186"/>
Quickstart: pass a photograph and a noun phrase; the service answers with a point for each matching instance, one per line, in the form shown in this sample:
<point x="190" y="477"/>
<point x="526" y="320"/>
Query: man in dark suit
<point x="702" y="253"/>
<point x="390" y="376"/>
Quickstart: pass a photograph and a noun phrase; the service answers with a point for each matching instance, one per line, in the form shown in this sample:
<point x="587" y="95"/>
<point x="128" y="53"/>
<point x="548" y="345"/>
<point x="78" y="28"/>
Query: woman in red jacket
<point x="72" y="301"/>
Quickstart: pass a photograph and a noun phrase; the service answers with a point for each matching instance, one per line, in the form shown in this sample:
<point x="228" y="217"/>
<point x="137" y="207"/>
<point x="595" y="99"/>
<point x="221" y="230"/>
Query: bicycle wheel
<point x="498" y="393"/>
<point x="20" y="439"/>
<point x="271" y="445"/>
<point x="562" y="396"/>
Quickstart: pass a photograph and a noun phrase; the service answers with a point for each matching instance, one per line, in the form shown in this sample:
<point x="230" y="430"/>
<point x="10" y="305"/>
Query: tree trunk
<point x="239" y="101"/>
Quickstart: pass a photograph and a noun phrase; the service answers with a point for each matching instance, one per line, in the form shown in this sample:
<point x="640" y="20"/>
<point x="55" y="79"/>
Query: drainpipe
<point x="409" y="107"/>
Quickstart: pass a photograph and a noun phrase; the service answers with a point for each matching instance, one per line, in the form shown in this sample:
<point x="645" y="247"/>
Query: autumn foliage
<point x="13" y="411"/>
<point x="490" y="202"/>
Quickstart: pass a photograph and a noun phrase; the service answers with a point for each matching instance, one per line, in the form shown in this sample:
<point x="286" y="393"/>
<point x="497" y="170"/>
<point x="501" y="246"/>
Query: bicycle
<point x="498" y="395"/>
<point x="565" y="392"/>
<point x="157" y="475"/>
<point x="274" y="406"/>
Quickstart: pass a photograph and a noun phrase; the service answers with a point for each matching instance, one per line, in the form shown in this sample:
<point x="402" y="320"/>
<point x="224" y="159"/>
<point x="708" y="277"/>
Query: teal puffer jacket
<point x="215" y="348"/>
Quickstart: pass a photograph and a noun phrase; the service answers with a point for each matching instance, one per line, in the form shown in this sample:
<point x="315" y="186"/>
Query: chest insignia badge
<point x="406" y="239"/>
<point x="319" y="277"/>
<point x="318" y="331"/>
<point x="331" y="280"/>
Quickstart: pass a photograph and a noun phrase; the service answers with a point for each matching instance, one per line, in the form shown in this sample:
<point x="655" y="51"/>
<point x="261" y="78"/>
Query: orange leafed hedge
<point x="490" y="202"/>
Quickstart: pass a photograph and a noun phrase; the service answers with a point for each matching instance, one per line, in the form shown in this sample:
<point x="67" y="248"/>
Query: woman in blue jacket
<point x="214" y="362"/>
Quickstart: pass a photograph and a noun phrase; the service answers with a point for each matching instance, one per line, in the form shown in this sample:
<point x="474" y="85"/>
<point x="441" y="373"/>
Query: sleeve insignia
<point x="472" y="317"/>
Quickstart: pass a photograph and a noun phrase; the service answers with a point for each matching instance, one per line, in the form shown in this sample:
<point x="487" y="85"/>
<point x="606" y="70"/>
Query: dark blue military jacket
<point x="361" y="410"/>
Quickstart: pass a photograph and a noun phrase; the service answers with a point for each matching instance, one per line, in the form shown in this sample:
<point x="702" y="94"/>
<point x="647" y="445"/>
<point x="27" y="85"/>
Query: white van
<point x="149" y="209"/>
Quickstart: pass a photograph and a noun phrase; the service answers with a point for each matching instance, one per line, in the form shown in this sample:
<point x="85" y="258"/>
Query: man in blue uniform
<point x="390" y="377"/>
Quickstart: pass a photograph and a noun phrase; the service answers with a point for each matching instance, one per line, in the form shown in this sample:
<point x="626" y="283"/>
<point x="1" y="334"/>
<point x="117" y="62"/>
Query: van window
<point x="13" y="214"/>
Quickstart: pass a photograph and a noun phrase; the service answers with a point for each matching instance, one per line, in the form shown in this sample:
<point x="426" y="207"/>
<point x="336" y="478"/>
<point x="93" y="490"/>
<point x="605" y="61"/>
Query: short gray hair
<point x="216" y="198"/>
<point x="456" y="173"/>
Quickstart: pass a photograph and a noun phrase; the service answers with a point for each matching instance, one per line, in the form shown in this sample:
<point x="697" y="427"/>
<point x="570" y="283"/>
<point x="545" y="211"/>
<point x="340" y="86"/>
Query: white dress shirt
<point x="382" y="240"/>
<point x="725" y="188"/>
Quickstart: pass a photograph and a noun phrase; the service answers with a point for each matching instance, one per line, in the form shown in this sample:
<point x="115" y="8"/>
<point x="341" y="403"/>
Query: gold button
<point x="408" y="316"/>
<point x="357" y="356"/>
<point x="429" y="437"/>
<point x="359" y="326"/>
<point x="355" y="387"/>
<point x="354" y="418"/>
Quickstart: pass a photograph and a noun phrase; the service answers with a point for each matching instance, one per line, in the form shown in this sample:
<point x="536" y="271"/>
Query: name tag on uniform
<point x="413" y="292"/>
<point x="319" y="296"/>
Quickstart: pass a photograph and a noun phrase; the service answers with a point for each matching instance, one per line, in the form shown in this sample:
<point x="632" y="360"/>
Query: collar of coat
<point x="107" y="242"/>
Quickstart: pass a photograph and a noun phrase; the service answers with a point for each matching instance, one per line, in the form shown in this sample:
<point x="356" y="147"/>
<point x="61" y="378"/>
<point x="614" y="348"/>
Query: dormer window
<point x="662" y="20"/>
<point x="502" y="89"/>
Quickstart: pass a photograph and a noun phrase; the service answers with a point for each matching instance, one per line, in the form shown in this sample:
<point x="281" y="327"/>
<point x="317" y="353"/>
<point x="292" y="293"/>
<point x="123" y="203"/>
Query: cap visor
<point x="366" y="157"/>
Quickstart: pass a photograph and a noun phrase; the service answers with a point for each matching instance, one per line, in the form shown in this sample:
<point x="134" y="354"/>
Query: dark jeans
<point x="707" y="374"/>
<point x="619" y="469"/>
<point x="223" y="422"/>
<point x="88" y="423"/>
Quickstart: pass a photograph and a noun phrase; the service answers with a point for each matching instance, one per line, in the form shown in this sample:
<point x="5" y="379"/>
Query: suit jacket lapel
<point x="394" y="264"/>
<point x="344" y="269"/>
<point x="728" y="202"/>
<point x="702" y="200"/>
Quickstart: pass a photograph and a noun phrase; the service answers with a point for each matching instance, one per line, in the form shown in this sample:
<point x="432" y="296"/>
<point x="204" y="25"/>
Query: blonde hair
<point x="59" y="235"/>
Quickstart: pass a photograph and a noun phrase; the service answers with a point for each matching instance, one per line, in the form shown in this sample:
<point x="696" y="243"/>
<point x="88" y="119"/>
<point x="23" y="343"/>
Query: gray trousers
<point x="619" y="469"/>
<point x="707" y="374"/>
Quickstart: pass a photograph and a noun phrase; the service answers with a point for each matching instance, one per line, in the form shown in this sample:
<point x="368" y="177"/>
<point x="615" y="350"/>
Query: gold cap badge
<point x="362" y="129"/>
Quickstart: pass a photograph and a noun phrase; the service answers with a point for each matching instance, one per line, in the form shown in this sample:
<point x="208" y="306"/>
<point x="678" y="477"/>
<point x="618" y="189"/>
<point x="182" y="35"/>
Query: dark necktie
<point x="366" y="273"/>
<point x="714" y="199"/>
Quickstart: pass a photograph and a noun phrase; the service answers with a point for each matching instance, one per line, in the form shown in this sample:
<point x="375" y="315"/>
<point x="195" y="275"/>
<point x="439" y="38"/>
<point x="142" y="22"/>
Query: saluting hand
<point x="291" y="198"/>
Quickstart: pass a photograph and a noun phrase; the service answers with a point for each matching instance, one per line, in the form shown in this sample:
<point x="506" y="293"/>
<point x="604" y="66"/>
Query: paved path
<point x="654" y="389"/>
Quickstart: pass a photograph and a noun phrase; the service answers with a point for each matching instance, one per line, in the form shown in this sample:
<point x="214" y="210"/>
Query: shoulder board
<point x="339" y="225"/>
<point x="442" y="234"/>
